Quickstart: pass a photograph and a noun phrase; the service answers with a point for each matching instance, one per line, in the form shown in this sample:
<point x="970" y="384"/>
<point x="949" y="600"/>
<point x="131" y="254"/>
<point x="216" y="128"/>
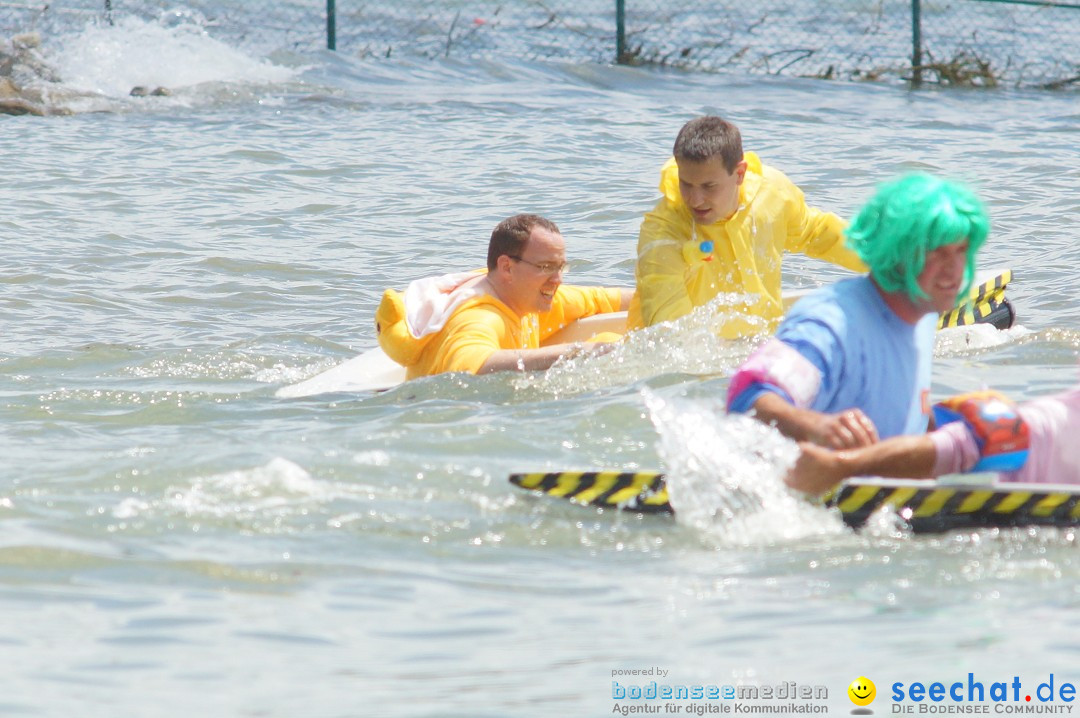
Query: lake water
<point x="177" y="541"/>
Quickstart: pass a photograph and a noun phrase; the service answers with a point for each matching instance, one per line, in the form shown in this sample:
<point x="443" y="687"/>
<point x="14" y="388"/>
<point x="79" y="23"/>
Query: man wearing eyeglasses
<point x="498" y="320"/>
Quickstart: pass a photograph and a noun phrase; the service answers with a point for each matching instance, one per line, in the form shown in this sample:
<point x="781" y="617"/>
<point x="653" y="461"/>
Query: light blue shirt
<point x="869" y="358"/>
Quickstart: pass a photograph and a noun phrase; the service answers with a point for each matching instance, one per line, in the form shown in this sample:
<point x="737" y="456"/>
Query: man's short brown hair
<point x="703" y="138"/>
<point x="512" y="234"/>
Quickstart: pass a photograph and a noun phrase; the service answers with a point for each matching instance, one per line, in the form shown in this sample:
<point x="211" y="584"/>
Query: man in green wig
<point x="851" y="361"/>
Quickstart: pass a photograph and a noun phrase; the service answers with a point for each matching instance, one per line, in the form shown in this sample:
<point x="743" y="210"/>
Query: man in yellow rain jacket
<point x="721" y="227"/>
<point x="480" y="322"/>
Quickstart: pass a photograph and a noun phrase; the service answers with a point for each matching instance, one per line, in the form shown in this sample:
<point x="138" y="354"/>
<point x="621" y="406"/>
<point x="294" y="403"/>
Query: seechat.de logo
<point x="862" y="692"/>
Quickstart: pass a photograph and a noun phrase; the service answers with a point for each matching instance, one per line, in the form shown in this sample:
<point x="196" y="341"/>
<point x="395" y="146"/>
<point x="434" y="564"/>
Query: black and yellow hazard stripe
<point x="641" y="492"/>
<point x="926" y="506"/>
<point x="985" y="304"/>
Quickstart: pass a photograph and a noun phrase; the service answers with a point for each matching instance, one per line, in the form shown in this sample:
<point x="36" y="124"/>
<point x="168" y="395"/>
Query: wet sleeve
<point x="806" y="373"/>
<point x="774" y="367"/>
<point x="819" y="343"/>
<point x="573" y="303"/>
<point x="578" y="302"/>
<point x="661" y="269"/>
<point x="815" y="233"/>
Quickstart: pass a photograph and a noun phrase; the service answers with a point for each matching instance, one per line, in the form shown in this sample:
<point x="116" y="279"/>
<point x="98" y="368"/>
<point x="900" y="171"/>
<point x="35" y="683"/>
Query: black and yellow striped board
<point x="930" y="506"/>
<point x="927" y="506"/>
<point x="986" y="304"/>
<point x="642" y="492"/>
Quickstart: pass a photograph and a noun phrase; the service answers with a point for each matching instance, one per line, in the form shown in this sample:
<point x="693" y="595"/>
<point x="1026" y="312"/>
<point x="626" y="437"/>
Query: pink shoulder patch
<point x="776" y="363"/>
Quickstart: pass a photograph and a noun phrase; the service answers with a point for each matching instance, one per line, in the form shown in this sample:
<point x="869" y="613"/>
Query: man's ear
<point x="503" y="263"/>
<point x="740" y="172"/>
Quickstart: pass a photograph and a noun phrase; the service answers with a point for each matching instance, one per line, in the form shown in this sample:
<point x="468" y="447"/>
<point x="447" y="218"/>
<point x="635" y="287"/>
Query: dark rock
<point x="142" y="91"/>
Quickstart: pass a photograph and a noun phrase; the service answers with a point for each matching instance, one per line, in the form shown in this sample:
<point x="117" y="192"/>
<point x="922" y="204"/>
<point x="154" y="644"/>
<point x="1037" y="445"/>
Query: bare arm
<point x="539" y="359"/>
<point x="624" y="300"/>
<point x="845" y="430"/>
<point x="819" y="469"/>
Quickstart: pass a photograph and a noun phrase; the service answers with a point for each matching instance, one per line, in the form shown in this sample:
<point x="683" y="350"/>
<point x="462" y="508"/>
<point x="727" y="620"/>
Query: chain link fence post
<point x="916" y="43"/>
<point x="620" y="32"/>
<point x="331" y="25"/>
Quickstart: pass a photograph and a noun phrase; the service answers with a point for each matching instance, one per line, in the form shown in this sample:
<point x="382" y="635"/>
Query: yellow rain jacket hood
<point x="674" y="275"/>
<point x="469" y="324"/>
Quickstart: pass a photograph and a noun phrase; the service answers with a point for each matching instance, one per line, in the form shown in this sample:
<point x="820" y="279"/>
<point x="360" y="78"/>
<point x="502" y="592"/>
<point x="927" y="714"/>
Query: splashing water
<point x="693" y="345"/>
<point x="111" y="60"/>
<point x="266" y="496"/>
<point x="689" y="345"/>
<point x="725" y="475"/>
<point x="975" y="337"/>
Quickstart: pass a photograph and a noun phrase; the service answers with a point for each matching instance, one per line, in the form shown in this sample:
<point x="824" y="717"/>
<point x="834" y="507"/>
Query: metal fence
<point x="949" y="42"/>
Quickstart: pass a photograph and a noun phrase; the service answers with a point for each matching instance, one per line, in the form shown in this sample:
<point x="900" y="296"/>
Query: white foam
<point x="955" y="340"/>
<point x="111" y="60"/>
<point x="690" y="344"/>
<point x="280" y="489"/>
<point x="725" y="475"/>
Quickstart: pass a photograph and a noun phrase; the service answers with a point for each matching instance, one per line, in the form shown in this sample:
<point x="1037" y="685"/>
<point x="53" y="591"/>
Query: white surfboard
<point x="371" y="371"/>
<point x="375" y="371"/>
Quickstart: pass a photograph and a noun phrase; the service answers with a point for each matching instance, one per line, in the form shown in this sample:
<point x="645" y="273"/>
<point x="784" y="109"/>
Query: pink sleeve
<point x="955" y="447"/>
<point x="1054" y="456"/>
<point x="780" y="365"/>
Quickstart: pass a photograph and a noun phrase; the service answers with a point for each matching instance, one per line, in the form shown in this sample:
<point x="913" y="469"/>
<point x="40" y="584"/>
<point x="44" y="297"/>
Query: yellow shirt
<point x="480" y="327"/>
<point x="674" y="276"/>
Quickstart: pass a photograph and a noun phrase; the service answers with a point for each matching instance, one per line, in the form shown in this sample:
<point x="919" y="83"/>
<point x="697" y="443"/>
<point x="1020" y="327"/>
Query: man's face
<point x="709" y="190"/>
<point x="943" y="275"/>
<point x="532" y="287"/>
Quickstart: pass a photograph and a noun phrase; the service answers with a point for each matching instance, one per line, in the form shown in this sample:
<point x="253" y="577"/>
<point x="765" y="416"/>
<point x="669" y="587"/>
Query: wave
<point x="132" y="64"/>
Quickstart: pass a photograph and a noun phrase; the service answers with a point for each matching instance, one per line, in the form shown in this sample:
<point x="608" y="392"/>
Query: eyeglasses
<point x="548" y="268"/>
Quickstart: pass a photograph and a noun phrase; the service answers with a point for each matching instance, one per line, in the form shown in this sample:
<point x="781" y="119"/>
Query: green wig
<point x="909" y="217"/>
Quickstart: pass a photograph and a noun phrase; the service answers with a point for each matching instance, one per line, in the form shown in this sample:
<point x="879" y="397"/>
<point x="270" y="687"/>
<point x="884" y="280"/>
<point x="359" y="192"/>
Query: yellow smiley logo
<point x="862" y="691"/>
